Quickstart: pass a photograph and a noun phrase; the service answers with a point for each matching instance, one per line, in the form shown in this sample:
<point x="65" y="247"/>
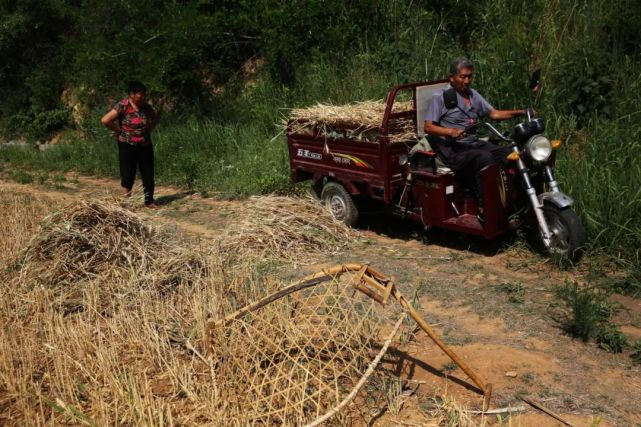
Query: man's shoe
<point x="151" y="205"/>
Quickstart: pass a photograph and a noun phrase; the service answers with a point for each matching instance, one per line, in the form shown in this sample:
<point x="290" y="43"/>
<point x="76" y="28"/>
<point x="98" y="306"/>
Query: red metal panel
<point x="494" y="200"/>
<point x="346" y="160"/>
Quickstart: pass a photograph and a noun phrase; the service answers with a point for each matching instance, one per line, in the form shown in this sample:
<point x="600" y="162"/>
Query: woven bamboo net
<point x="301" y="356"/>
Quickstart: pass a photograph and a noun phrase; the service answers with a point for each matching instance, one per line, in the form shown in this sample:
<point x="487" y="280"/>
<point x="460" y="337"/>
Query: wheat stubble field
<point x="104" y="310"/>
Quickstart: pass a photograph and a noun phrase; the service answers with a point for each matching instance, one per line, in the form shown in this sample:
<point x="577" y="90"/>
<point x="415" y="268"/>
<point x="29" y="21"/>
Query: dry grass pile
<point x="99" y="241"/>
<point x="360" y="121"/>
<point x="298" y="230"/>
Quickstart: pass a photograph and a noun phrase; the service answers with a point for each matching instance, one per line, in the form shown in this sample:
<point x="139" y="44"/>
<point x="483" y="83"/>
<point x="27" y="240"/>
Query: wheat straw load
<point x="103" y="243"/>
<point x="360" y="121"/>
<point x="299" y="230"/>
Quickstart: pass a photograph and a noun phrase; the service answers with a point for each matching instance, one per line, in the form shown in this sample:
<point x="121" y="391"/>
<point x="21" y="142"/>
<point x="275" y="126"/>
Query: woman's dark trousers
<point x="137" y="156"/>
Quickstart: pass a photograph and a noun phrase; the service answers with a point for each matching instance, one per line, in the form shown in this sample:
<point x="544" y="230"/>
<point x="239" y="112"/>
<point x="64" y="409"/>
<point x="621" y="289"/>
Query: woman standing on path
<point x="132" y="120"/>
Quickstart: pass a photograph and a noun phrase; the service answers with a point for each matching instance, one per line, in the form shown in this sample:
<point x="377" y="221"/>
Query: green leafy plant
<point x="591" y="316"/>
<point x="610" y="338"/>
<point x="586" y="306"/>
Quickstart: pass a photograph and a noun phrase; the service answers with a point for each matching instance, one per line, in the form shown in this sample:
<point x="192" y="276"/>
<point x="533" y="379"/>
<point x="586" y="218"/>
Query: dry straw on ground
<point x="298" y="230"/>
<point x="101" y="241"/>
<point x="360" y="121"/>
<point x="126" y="354"/>
<point x="21" y="215"/>
<point x="130" y="353"/>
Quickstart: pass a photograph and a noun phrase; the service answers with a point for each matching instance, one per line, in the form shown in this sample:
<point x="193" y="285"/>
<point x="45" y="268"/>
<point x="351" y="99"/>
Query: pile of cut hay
<point x="360" y="121"/>
<point x="100" y="242"/>
<point x="295" y="229"/>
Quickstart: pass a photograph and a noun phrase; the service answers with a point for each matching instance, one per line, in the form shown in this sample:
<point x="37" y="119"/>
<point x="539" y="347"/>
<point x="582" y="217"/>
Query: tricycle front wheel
<point x="336" y="198"/>
<point x="568" y="234"/>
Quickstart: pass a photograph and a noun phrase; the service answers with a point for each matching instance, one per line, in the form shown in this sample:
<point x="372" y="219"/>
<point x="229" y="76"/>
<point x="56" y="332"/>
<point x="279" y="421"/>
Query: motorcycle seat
<point x="423" y="157"/>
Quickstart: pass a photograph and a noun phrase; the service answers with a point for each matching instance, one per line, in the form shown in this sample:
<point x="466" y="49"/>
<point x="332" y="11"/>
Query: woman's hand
<point x="109" y="121"/>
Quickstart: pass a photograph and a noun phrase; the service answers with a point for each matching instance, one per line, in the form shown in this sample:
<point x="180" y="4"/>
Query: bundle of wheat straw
<point x="94" y="241"/>
<point x="295" y="229"/>
<point x="360" y="121"/>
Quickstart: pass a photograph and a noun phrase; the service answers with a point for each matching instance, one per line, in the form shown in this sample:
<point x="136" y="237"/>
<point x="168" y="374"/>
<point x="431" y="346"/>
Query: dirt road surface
<point x="494" y="303"/>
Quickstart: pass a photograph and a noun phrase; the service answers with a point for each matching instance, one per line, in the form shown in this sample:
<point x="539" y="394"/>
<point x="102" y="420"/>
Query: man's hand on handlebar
<point x="460" y="133"/>
<point x="456" y="133"/>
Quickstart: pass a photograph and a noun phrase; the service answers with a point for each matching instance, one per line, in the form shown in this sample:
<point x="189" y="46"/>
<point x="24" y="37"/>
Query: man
<point x="449" y="113"/>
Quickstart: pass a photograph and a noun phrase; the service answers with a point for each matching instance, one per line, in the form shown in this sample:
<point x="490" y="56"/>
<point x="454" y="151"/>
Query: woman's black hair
<point x="135" y="86"/>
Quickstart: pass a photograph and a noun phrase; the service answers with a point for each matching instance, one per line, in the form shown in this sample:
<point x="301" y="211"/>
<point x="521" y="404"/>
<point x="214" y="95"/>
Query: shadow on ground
<point x="397" y="228"/>
<point x="164" y="200"/>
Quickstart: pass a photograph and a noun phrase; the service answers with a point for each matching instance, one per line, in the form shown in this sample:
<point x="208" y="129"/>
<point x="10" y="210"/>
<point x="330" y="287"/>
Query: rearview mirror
<point x="535" y="82"/>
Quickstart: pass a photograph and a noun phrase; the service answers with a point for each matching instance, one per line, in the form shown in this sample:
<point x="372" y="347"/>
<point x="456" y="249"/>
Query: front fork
<point x="534" y="200"/>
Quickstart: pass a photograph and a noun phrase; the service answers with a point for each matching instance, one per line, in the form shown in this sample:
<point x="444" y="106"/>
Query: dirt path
<point x="494" y="304"/>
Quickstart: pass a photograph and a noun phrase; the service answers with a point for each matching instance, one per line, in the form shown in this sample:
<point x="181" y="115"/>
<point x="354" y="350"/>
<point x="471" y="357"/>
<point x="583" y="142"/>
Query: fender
<point x="318" y="181"/>
<point x="349" y="186"/>
<point x="560" y="200"/>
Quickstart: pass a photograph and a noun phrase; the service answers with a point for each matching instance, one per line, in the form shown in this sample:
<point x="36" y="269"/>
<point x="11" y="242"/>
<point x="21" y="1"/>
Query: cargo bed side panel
<point x="342" y="158"/>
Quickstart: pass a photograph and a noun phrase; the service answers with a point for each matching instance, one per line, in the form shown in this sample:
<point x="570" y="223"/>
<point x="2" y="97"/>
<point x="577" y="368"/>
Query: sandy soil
<point x="515" y="344"/>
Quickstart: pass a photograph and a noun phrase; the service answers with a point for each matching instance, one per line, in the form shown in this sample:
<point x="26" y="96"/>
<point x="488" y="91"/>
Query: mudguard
<point x="560" y="200"/>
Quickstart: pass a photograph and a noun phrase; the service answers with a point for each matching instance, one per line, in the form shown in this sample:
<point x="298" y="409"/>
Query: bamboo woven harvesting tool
<point x="372" y="284"/>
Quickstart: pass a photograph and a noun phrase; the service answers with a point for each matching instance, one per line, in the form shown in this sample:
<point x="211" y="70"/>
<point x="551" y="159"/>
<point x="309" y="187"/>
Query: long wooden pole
<point x="485" y="388"/>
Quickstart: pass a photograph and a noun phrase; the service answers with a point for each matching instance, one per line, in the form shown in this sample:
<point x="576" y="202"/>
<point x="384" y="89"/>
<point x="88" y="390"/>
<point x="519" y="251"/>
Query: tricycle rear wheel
<point x="339" y="202"/>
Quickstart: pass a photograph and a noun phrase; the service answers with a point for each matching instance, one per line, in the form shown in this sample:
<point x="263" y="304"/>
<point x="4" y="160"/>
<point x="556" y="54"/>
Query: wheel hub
<point x="337" y="207"/>
<point x="559" y="236"/>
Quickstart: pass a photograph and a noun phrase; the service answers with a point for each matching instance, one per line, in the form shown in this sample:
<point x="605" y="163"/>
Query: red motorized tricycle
<point x="413" y="184"/>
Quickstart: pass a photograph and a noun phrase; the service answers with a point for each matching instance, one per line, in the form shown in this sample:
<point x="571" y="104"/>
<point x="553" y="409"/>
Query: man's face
<point x="462" y="80"/>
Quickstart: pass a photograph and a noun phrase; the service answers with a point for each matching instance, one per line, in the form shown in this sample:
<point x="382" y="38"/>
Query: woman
<point x="132" y="120"/>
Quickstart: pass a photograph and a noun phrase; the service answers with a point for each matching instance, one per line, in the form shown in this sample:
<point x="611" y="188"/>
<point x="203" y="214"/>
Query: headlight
<point x="402" y="159"/>
<point x="539" y="148"/>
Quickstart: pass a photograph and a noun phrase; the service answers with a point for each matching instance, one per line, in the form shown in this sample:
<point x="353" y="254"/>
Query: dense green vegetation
<point x="224" y="73"/>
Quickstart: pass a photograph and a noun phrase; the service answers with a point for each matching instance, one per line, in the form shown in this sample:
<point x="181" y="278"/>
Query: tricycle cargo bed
<point x="359" y="166"/>
<point x="358" y="151"/>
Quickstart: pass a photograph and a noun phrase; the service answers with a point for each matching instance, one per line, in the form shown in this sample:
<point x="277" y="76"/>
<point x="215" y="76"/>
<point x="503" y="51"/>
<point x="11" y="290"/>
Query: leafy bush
<point x="591" y="316"/>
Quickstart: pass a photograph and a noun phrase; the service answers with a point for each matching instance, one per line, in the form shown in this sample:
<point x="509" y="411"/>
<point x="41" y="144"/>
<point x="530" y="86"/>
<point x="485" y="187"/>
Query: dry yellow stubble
<point x="102" y="321"/>
<point x="21" y="215"/>
<point x="298" y="230"/>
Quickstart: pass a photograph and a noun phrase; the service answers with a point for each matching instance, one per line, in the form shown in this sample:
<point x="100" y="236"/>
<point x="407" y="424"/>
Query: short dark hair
<point x="458" y="63"/>
<point x="135" y="86"/>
